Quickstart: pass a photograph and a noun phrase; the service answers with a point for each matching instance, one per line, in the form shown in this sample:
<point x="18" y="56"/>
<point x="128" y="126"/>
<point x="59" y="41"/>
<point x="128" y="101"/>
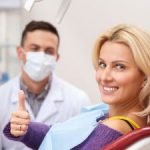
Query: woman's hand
<point x="20" y="119"/>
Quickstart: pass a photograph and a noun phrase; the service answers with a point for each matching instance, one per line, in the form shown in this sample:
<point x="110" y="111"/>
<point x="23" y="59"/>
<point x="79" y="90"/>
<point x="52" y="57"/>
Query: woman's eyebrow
<point x="115" y="61"/>
<point x="101" y="59"/>
<point x="120" y="61"/>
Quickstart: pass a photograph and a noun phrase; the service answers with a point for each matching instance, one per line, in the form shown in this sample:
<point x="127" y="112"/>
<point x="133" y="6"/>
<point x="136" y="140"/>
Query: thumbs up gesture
<point x="20" y="119"/>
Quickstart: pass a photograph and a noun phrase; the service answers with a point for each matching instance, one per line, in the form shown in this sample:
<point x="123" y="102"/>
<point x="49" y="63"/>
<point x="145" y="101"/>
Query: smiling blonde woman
<point x="122" y="62"/>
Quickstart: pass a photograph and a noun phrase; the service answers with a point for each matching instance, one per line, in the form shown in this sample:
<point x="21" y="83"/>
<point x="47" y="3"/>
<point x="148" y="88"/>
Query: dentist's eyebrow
<point x="36" y="45"/>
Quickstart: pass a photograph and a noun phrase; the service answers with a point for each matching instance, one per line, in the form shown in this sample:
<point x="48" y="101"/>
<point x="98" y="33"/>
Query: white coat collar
<point x="55" y="89"/>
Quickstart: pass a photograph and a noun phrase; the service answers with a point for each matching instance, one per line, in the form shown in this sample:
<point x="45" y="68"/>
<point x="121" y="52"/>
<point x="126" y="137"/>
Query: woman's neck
<point x="124" y="109"/>
<point x="128" y="111"/>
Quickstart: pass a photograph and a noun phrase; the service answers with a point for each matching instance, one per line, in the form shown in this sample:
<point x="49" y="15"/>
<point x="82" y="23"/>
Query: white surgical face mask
<point x="39" y="65"/>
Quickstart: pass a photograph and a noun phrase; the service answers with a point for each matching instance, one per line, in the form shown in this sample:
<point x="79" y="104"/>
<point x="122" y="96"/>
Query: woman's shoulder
<point x="117" y="125"/>
<point x="100" y="136"/>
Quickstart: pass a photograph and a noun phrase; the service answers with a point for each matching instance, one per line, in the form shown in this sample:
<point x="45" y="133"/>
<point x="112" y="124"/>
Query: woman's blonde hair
<point x="138" y="41"/>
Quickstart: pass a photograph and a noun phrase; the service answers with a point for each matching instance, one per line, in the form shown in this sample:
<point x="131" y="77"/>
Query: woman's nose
<point x="106" y="75"/>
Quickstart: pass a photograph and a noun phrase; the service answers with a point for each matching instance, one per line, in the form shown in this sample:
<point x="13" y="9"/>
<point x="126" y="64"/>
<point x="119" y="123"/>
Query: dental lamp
<point x="29" y="4"/>
<point x="61" y="11"/>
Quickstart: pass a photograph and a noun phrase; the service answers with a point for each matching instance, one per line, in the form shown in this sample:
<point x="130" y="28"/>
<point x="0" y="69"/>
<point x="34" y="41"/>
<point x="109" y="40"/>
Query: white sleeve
<point x="1" y="132"/>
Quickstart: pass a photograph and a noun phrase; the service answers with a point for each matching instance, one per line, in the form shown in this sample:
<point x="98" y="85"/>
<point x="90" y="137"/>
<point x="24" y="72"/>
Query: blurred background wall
<point x="81" y="25"/>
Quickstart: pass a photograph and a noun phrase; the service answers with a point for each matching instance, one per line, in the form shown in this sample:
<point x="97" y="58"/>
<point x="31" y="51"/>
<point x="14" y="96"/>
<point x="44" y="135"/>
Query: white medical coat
<point x="62" y="102"/>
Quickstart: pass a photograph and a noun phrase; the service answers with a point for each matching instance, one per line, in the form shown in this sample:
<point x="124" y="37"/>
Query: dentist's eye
<point x="102" y="65"/>
<point x="120" y="67"/>
<point x="34" y="49"/>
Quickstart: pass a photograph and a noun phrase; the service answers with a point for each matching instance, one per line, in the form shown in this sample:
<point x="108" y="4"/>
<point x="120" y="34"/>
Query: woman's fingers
<point x="17" y="133"/>
<point x="20" y="119"/>
<point x="18" y="127"/>
<point x="20" y="114"/>
<point x="21" y="96"/>
<point x="16" y="120"/>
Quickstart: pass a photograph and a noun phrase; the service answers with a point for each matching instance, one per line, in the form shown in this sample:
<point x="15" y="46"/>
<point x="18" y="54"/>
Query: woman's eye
<point x="101" y="65"/>
<point x="120" y="66"/>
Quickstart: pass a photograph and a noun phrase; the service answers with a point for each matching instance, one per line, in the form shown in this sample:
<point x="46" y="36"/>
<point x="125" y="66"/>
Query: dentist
<point x="48" y="98"/>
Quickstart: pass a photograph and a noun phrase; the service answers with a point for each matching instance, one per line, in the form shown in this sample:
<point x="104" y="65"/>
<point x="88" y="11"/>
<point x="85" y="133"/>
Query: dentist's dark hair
<point x="38" y="25"/>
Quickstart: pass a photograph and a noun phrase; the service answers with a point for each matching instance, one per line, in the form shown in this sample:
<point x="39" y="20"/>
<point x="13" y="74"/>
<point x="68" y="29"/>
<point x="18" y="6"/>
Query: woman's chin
<point x="108" y="99"/>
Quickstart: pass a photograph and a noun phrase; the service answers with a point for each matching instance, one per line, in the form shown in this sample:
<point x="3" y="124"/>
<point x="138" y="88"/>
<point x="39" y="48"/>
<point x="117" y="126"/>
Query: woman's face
<point x="118" y="77"/>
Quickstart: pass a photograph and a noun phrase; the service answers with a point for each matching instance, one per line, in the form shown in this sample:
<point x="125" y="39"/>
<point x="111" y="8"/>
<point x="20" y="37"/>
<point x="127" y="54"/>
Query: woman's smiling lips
<point x="109" y="89"/>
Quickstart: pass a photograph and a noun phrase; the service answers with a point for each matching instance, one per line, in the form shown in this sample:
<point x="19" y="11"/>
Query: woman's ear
<point x="144" y="82"/>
